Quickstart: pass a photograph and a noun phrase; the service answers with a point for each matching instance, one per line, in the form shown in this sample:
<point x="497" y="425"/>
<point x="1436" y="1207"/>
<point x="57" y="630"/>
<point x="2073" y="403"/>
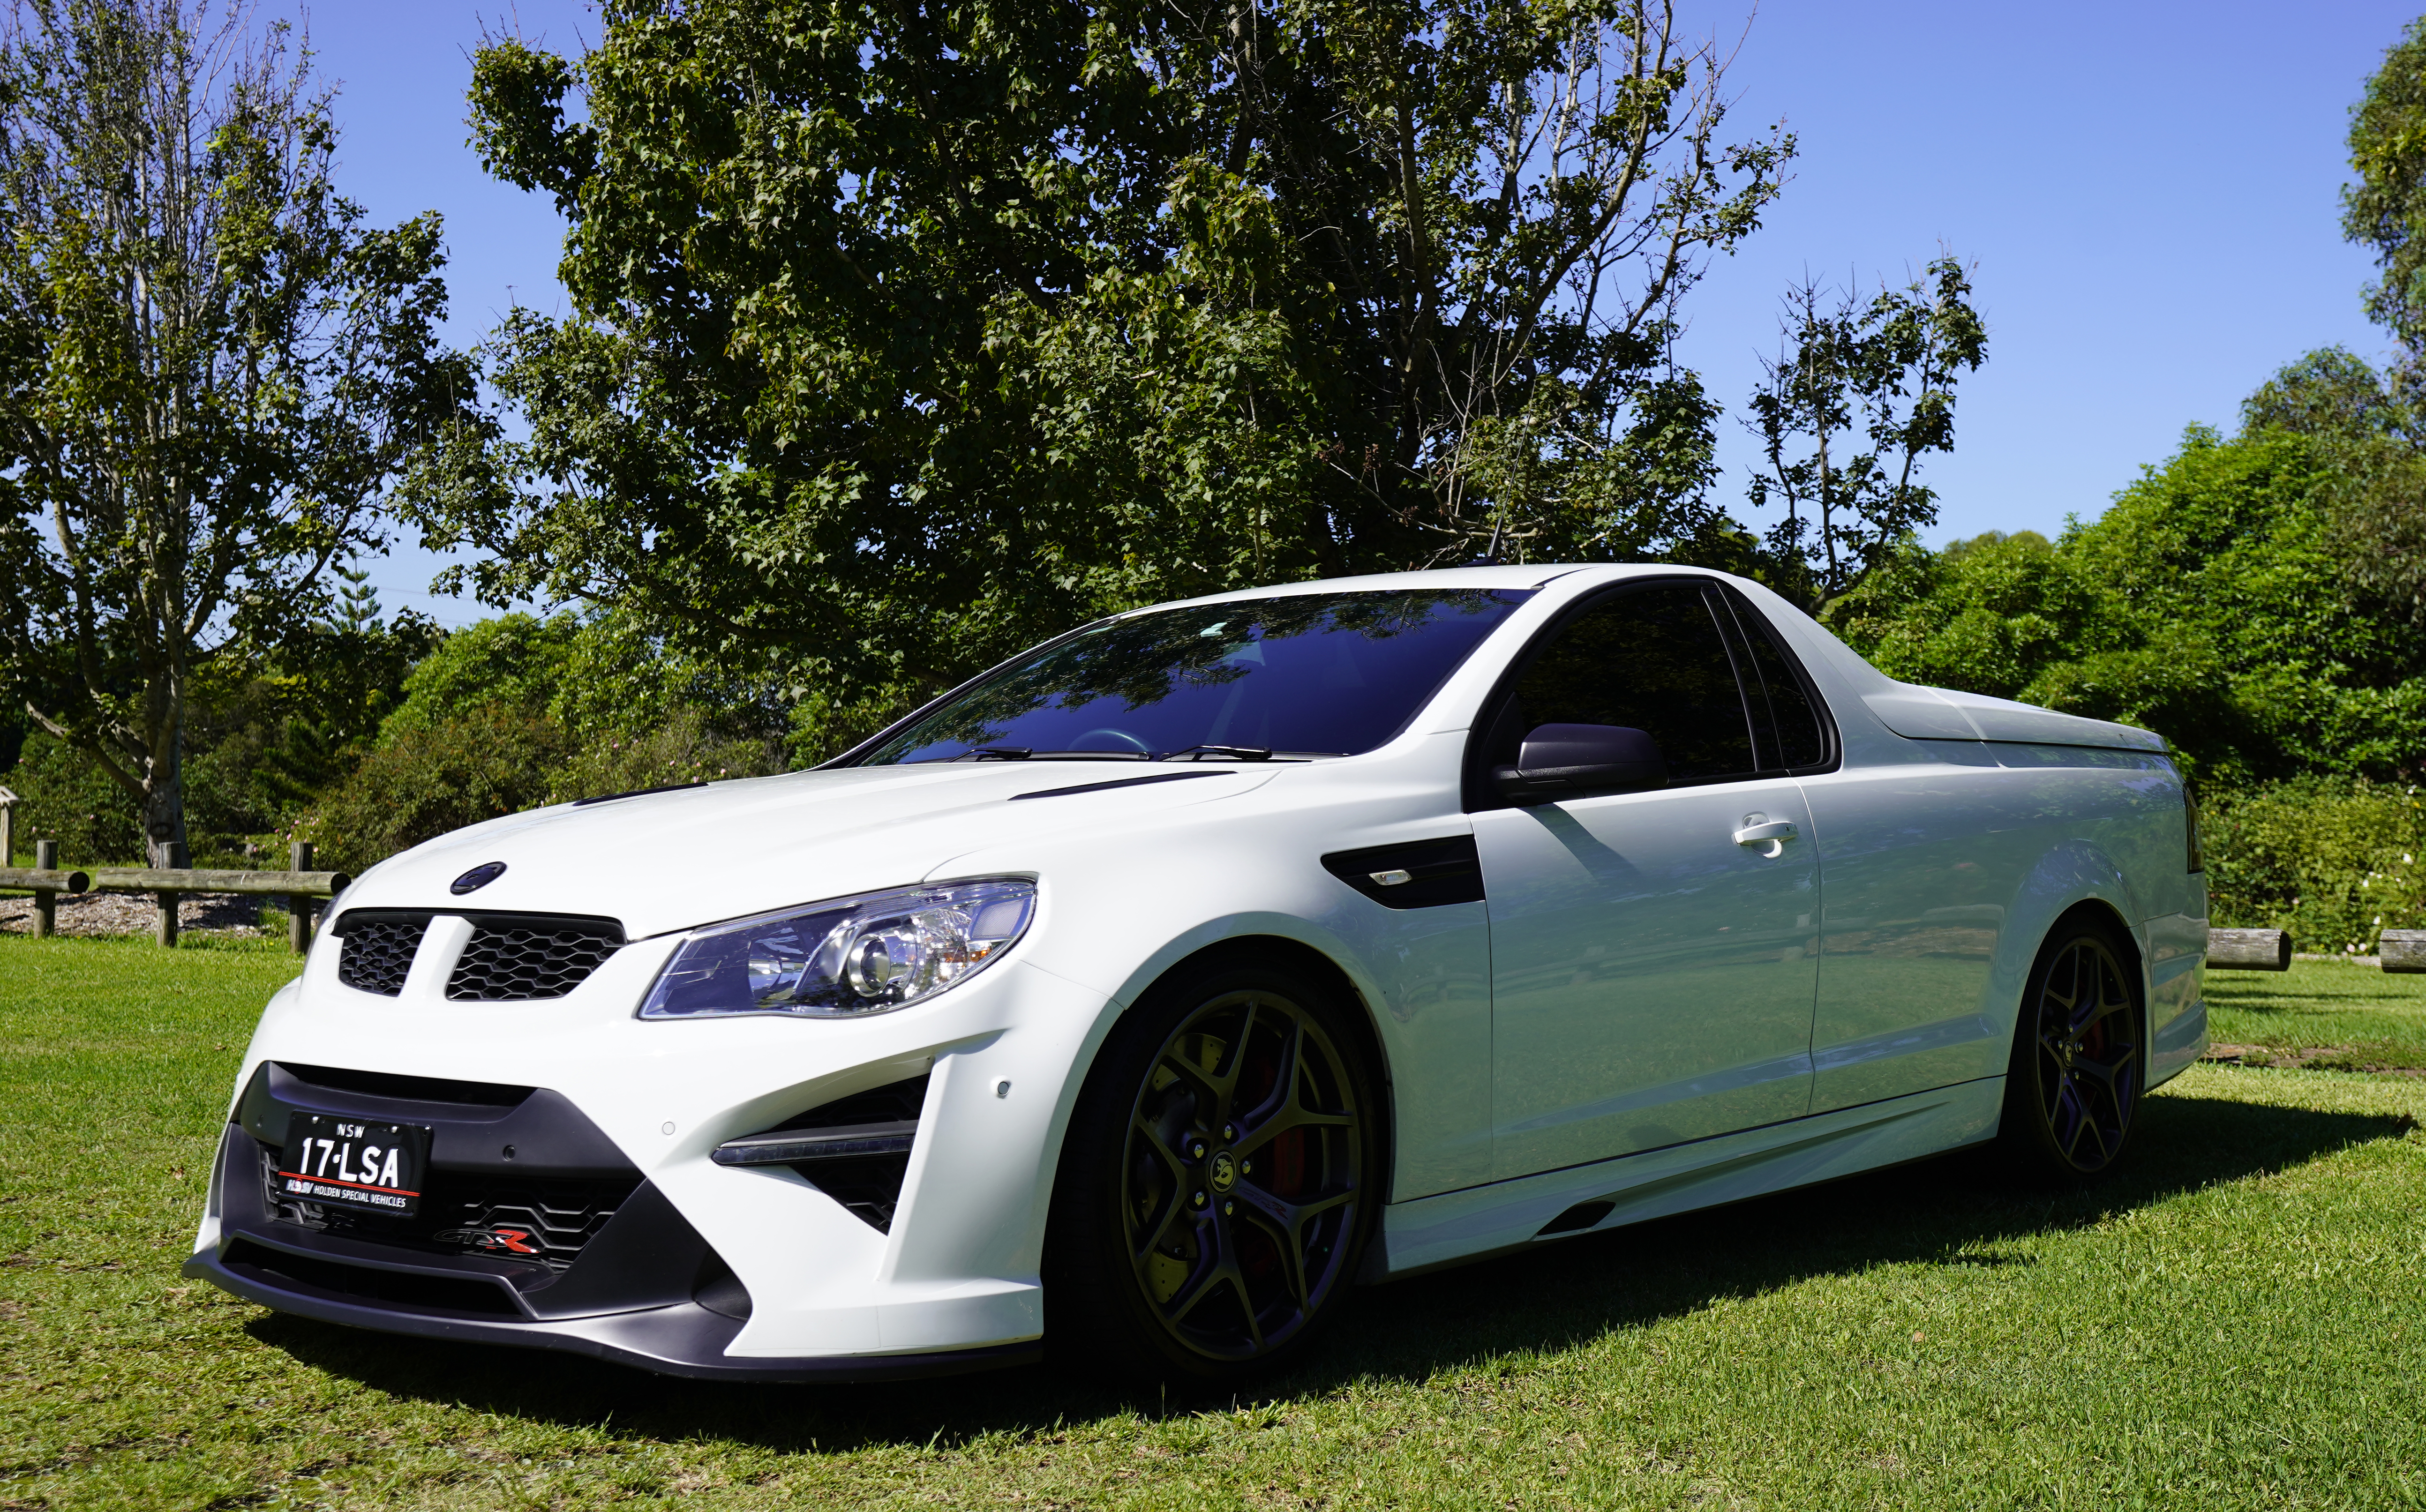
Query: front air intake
<point x="855" y="1149"/>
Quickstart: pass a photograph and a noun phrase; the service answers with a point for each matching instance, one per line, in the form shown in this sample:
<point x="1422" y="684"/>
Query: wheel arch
<point x="1292" y="948"/>
<point x="2073" y="877"/>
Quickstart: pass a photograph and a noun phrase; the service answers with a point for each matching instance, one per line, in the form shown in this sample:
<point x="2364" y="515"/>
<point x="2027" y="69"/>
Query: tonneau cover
<point x="1940" y="713"/>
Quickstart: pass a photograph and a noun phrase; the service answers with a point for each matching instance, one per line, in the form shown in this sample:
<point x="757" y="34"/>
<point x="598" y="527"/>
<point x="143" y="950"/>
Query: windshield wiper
<point x="1235" y="753"/>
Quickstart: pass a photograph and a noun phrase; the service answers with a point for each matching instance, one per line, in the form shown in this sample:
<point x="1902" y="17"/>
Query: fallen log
<point x="2248" y="950"/>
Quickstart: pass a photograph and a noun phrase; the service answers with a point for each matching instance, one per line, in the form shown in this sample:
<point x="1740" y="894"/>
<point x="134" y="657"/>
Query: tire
<point x="1221" y="1177"/>
<point x="2072" y="1088"/>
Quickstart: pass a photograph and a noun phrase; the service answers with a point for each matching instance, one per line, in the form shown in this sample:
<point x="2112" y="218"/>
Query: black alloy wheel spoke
<point x="1174" y="1205"/>
<point x="1283" y="1093"/>
<point x="2108" y="1072"/>
<point x="1146" y="1130"/>
<point x="1293" y="1115"/>
<point x="1213" y="1086"/>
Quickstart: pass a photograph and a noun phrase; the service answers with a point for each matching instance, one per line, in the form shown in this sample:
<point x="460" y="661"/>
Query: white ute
<point x="1158" y="985"/>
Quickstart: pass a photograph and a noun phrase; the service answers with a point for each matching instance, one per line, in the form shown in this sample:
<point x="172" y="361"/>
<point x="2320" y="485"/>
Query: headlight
<point x="845" y="957"/>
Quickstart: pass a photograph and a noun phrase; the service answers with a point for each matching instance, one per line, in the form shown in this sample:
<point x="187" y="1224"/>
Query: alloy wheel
<point x="1242" y="1175"/>
<point x="2086" y="1055"/>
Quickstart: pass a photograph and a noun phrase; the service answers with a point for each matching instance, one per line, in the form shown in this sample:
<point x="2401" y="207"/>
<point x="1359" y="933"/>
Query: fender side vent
<point x="1577" y="1218"/>
<point x="1419" y="874"/>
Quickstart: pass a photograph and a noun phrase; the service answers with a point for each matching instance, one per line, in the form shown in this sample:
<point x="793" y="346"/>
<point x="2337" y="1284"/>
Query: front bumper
<point x="827" y="1294"/>
<point x="635" y="1284"/>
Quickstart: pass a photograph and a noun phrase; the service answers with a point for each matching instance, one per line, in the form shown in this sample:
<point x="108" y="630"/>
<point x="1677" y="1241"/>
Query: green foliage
<point x="1854" y="375"/>
<point x="514" y="661"/>
<point x="2334" y="861"/>
<point x="901" y="342"/>
<point x="489" y="760"/>
<point x="601" y="678"/>
<point x="69" y="800"/>
<point x="517" y="711"/>
<point x="210" y="370"/>
<point x="2385" y="209"/>
<point x="2209" y="603"/>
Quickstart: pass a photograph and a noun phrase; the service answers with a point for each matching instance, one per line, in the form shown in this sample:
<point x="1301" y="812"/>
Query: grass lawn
<point x="2240" y="1321"/>
<point x="2360" y="1017"/>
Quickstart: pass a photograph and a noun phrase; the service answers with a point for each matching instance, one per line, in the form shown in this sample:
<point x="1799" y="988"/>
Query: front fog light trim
<point x="845" y="957"/>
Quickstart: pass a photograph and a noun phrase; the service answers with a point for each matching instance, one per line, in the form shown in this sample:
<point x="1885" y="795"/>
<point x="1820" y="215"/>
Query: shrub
<point x="500" y="759"/>
<point x="684" y="749"/>
<point x="68" y="798"/>
<point x="492" y="760"/>
<point x="2334" y="861"/>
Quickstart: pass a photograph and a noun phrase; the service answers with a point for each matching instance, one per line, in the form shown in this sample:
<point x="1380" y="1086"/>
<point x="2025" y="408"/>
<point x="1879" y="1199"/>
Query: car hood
<point x="660" y="861"/>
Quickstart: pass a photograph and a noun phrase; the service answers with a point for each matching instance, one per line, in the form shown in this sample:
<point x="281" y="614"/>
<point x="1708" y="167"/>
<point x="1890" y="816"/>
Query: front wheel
<point x="1218" y="1181"/>
<point x="2072" y="1089"/>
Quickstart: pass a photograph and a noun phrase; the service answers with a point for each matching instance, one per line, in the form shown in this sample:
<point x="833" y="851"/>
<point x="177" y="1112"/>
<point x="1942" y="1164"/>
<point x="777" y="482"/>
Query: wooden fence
<point x="303" y="888"/>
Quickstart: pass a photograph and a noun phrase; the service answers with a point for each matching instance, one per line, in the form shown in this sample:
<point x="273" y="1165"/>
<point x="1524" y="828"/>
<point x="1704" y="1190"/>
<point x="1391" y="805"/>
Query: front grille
<point x="509" y="963"/>
<point x="556" y="1215"/>
<point x="379" y="952"/>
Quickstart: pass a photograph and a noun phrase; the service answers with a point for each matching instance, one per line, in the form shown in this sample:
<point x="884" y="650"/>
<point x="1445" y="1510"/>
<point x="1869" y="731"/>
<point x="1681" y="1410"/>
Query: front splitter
<point x="684" y="1340"/>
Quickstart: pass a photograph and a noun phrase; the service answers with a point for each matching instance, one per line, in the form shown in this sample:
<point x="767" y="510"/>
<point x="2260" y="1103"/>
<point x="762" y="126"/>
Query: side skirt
<point x="1484" y="1221"/>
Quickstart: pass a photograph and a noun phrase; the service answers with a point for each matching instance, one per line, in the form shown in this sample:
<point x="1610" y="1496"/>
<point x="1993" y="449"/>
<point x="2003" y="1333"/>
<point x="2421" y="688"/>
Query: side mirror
<point x="1558" y="760"/>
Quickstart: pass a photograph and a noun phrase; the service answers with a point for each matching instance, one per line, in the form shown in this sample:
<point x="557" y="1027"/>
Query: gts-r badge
<point x="498" y="1241"/>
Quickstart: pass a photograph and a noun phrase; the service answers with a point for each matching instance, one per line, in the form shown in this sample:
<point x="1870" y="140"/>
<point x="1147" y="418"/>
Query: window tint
<point x="1789" y="726"/>
<point x="1652" y="659"/>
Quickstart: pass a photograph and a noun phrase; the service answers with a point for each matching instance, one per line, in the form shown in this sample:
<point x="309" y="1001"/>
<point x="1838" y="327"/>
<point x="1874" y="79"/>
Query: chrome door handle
<point x="1773" y="835"/>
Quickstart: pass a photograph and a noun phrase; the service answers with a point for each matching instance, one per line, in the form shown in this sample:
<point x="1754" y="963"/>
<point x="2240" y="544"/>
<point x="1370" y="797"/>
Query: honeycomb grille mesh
<point x="515" y="964"/>
<point x="377" y="954"/>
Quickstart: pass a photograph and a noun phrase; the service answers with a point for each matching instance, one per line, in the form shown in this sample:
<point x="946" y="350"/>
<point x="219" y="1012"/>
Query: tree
<point x="1879" y="375"/>
<point x="2206" y="605"/>
<point x="2366" y="427"/>
<point x="903" y="335"/>
<point x="2385" y="209"/>
<point x="210" y="369"/>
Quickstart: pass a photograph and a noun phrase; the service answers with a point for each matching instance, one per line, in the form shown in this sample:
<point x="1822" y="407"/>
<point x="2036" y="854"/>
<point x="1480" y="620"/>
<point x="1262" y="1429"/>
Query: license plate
<point x="354" y="1164"/>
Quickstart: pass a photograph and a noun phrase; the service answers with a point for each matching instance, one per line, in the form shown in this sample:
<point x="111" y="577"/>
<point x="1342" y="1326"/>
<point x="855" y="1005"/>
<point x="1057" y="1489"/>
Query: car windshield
<point x="1315" y="674"/>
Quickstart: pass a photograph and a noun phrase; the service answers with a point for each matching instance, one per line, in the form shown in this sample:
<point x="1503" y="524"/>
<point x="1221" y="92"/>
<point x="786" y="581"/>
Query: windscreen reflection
<point x="1327" y="674"/>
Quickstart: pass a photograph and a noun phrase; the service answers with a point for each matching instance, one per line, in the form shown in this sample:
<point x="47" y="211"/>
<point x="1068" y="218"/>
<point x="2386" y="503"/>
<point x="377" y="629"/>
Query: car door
<point x="1653" y="977"/>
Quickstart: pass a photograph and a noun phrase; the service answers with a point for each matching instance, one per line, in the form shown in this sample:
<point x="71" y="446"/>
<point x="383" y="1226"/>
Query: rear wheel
<point x="2072" y="1090"/>
<point x="1218" y="1180"/>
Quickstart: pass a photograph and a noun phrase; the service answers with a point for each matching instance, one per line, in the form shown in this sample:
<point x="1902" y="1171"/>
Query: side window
<point x="1790" y="732"/>
<point x="1653" y="659"/>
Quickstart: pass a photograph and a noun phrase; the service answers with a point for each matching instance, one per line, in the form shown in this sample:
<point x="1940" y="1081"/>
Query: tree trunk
<point x="164" y="799"/>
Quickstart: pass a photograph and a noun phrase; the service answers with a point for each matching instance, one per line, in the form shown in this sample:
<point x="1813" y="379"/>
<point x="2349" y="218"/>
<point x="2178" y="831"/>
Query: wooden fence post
<point x="299" y="906"/>
<point x="165" y="930"/>
<point x="7" y="828"/>
<point x="46" y="905"/>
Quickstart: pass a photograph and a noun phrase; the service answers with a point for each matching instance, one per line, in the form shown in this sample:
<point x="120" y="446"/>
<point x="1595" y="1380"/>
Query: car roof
<point x="1532" y="575"/>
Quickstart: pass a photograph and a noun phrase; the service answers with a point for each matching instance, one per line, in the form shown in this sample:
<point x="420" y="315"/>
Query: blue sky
<point x="2148" y="192"/>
